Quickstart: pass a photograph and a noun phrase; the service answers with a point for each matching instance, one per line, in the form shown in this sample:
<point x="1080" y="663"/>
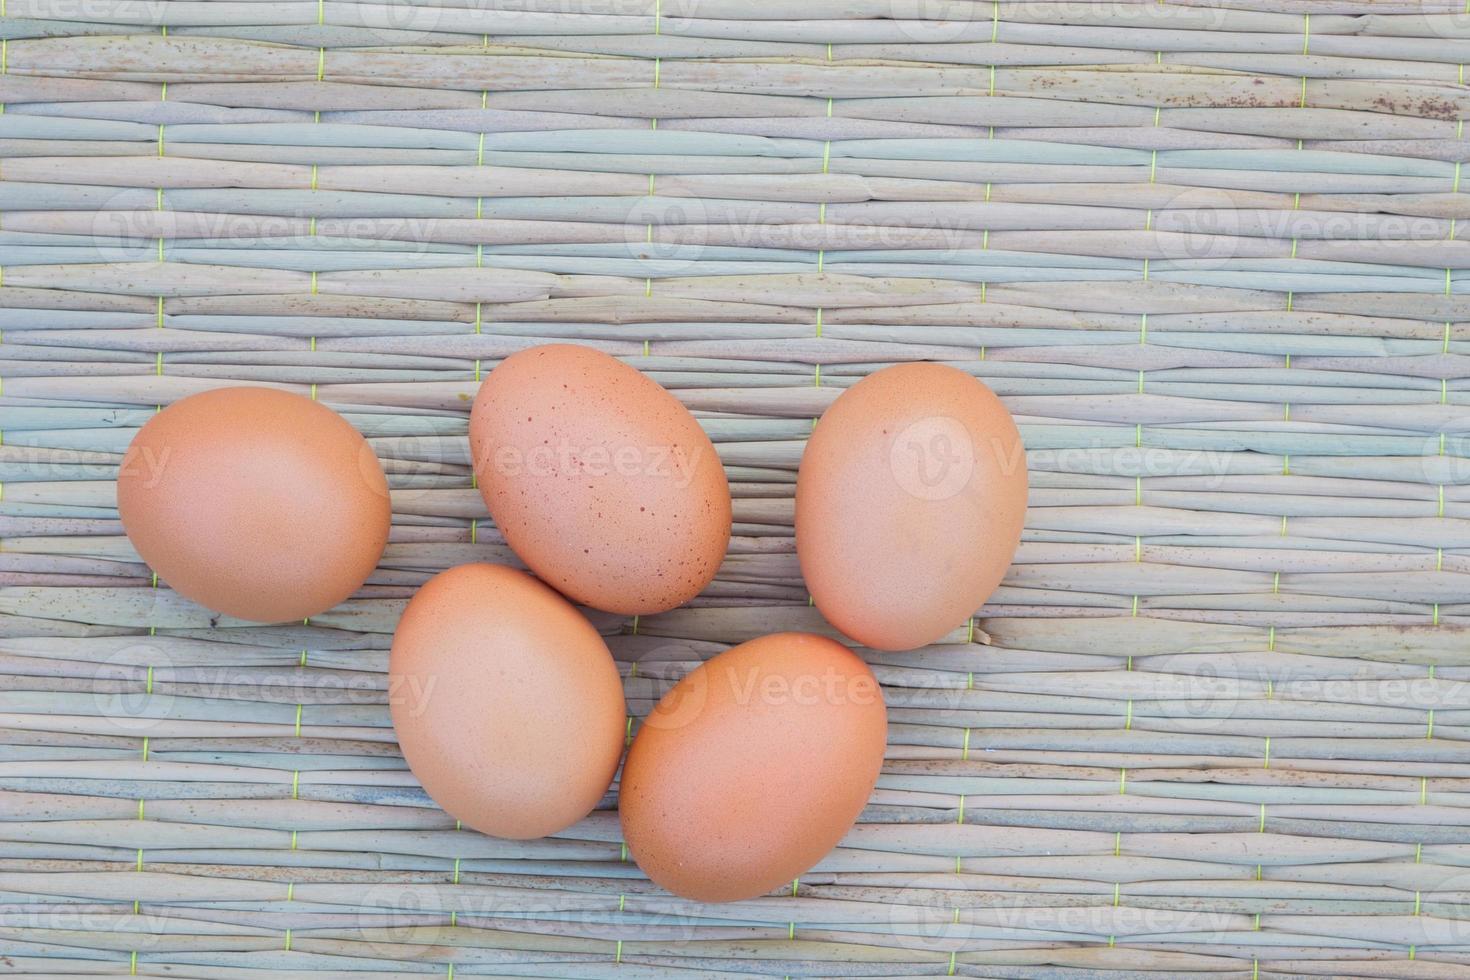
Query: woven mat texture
<point x="1214" y="720"/>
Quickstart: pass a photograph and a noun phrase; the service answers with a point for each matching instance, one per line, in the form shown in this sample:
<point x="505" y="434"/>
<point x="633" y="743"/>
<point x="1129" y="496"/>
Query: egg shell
<point x="910" y="502"/>
<point x="254" y="502"/>
<point x="752" y="767"/>
<point x="600" y="480"/>
<point x="506" y="702"/>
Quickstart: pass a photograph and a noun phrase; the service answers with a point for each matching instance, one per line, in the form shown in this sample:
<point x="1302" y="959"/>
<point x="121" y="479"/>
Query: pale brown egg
<point x="507" y="705"/>
<point x="600" y="480"/>
<point x="753" y="767"/>
<point x="256" y="503"/>
<point x="910" y="501"/>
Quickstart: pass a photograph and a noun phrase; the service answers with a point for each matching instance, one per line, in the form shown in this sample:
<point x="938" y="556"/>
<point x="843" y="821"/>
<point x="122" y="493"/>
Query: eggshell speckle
<point x="910" y="502"/>
<point x="599" y="479"/>
<point x="254" y="502"/>
<point x="752" y="767"/>
<point x="506" y="702"/>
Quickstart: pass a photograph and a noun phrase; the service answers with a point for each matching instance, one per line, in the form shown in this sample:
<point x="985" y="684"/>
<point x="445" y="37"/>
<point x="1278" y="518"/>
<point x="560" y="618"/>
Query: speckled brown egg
<point x="254" y="502"/>
<point x="909" y="504"/>
<point x="600" y="480"/>
<point x="753" y="767"/>
<point x="507" y="705"/>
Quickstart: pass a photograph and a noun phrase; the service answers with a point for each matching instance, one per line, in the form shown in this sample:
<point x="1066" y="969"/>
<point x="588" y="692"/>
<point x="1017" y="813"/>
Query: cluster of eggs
<point x="506" y="702"/>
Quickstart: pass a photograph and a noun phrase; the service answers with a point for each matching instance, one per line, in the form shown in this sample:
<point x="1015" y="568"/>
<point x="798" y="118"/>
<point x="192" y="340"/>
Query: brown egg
<point x="506" y="702"/>
<point x="909" y="504"/>
<point x="599" y="479"/>
<point x="752" y="767"/>
<point x="254" y="502"/>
